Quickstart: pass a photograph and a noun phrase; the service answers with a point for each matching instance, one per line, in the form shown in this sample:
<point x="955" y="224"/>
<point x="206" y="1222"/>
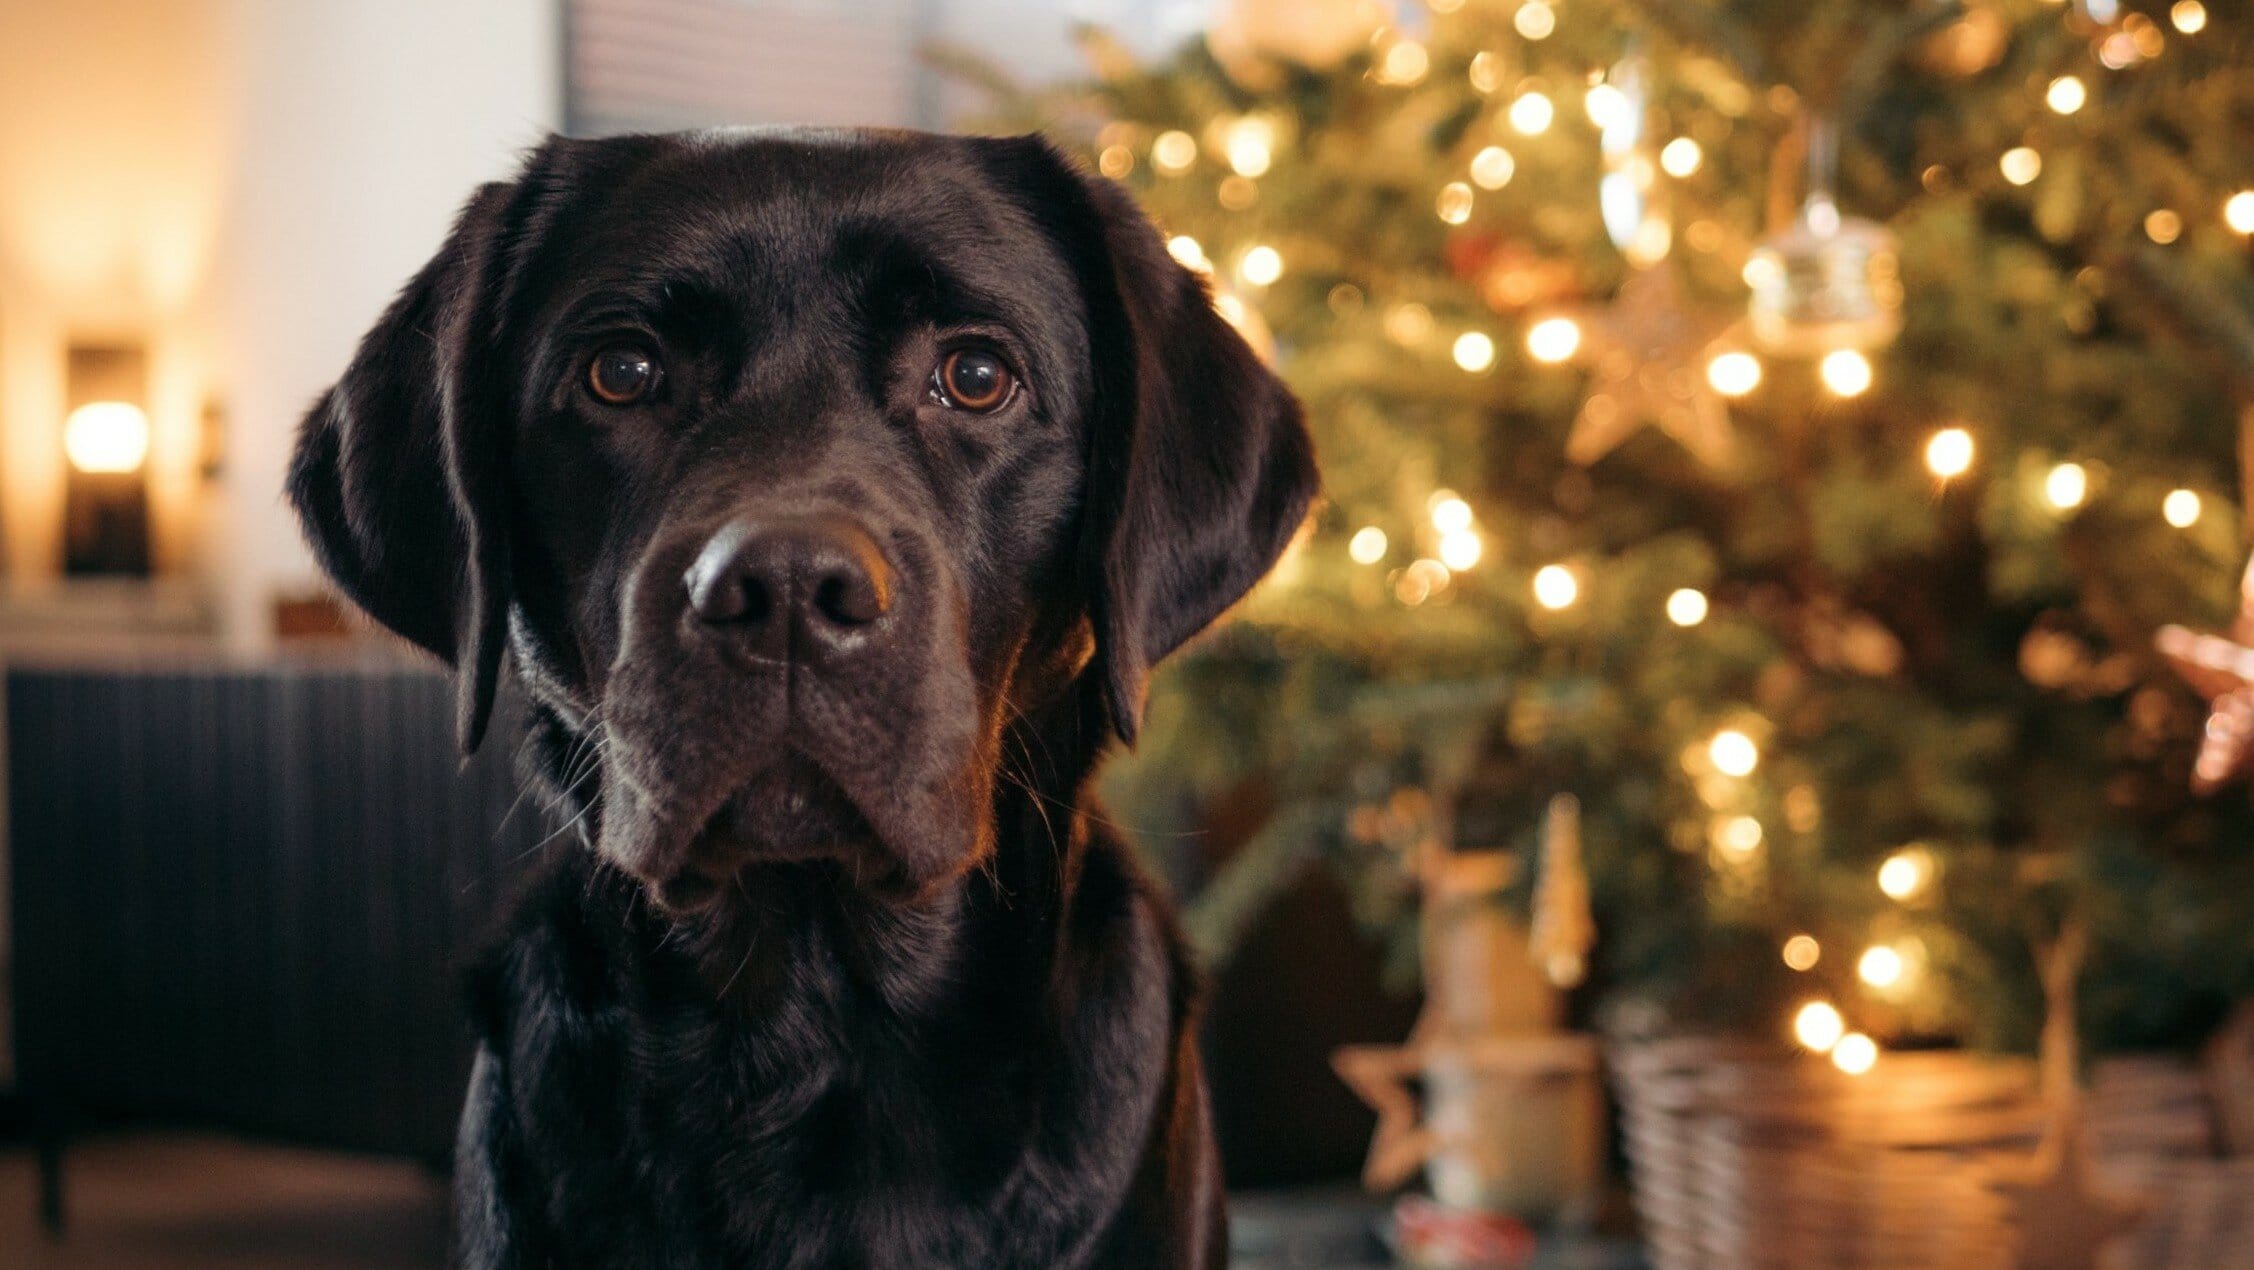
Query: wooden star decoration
<point x="2221" y="669"/>
<point x="1648" y="351"/>
<point x="2066" y="1216"/>
<point x="1381" y="1075"/>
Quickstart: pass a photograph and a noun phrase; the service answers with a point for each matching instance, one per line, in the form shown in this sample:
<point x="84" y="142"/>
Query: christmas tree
<point x="1783" y="426"/>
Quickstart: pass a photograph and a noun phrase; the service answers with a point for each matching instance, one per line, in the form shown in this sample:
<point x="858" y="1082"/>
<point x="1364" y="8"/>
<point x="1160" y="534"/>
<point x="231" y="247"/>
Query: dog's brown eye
<point x="972" y="379"/>
<point x="622" y="375"/>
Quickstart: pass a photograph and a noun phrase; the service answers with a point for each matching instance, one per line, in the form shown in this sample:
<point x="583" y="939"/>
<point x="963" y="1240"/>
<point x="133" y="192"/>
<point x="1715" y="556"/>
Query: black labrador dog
<point x="830" y="495"/>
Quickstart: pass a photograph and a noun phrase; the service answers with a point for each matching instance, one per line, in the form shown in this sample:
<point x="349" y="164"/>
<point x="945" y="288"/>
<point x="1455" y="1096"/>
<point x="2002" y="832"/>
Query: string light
<point x="1846" y="372"/>
<point x="106" y="437"/>
<point x="1553" y="340"/>
<point x="1681" y="157"/>
<point x="1474" y="351"/>
<point x="2190" y="16"/>
<point x="2021" y="165"/>
<point x="1420" y="582"/>
<point x="2163" y="226"/>
<point x="1115" y="161"/>
<point x="1450" y="513"/>
<point x="1189" y="252"/>
<point x="1555" y="587"/>
<point x="1405" y="63"/>
<point x="1173" y="152"/>
<point x="1408" y="324"/>
<point x="1492" y="168"/>
<point x="1880" y="966"/>
<point x="1818" y="1025"/>
<point x="1460" y="549"/>
<point x="1802" y="952"/>
<point x="2066" y="486"/>
<point x="1607" y="105"/>
<point x="2067" y="94"/>
<point x="1733" y="753"/>
<point x="1454" y="203"/>
<point x="1531" y="113"/>
<point x="1906" y="873"/>
<point x="1738" y="835"/>
<point x="1686" y="607"/>
<point x="1734" y="374"/>
<point x="1249" y="145"/>
<point x="1948" y="453"/>
<point x="1261" y="266"/>
<point x="2181" y="508"/>
<point x="1535" y="20"/>
<point x="2238" y="213"/>
<point x="1855" y="1054"/>
<point x="1367" y="546"/>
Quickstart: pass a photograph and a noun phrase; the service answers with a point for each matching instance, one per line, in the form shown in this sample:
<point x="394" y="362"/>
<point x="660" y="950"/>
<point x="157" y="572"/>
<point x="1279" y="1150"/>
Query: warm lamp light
<point x="107" y="437"/>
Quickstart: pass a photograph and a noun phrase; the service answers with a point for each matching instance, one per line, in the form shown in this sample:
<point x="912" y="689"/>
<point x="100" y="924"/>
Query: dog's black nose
<point x="792" y="586"/>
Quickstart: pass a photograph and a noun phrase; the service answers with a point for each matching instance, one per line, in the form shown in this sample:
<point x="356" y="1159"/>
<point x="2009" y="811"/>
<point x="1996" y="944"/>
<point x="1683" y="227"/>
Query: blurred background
<point x="1744" y="767"/>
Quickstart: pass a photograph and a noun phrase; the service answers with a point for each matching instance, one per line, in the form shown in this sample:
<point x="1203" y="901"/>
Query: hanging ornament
<point x="2221" y="669"/>
<point x="1828" y="281"/>
<point x="1630" y="200"/>
<point x="1967" y="46"/>
<point x="1650" y="351"/>
<point x="1563" y="928"/>
<point x="1255" y="40"/>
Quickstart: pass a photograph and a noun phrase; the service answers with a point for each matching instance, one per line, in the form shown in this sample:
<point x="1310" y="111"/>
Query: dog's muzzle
<point x="799" y="591"/>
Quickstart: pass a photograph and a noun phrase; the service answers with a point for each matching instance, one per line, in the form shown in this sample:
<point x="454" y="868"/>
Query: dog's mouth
<point x="790" y="812"/>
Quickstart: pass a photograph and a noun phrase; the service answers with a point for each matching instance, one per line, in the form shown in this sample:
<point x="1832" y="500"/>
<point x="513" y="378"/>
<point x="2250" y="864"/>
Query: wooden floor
<point x="152" y="1202"/>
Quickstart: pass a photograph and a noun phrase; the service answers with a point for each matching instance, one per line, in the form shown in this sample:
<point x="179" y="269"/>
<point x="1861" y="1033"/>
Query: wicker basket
<point x="1743" y="1156"/>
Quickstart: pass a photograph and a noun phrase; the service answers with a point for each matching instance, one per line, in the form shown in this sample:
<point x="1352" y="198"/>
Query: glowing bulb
<point x="1535" y="20"/>
<point x="1681" y="157"/>
<point x="1492" y="168"/>
<point x="1607" y="106"/>
<point x="2190" y="16"/>
<point x="1173" y="151"/>
<point x="1188" y="251"/>
<point x="1531" y="114"/>
<point x="1802" y="952"/>
<point x="1404" y="63"/>
<point x="1367" y="546"/>
<point x="1450" y="514"/>
<point x="1454" y="203"/>
<point x="1486" y="72"/>
<point x="1554" y="340"/>
<point x="1555" y="587"/>
<point x="1905" y="873"/>
<point x="1948" y="453"/>
<point x="1460" y="549"/>
<point x="1249" y="145"/>
<point x="1733" y="753"/>
<point x="1818" y="1025"/>
<point x="2066" y="486"/>
<point x="1734" y="374"/>
<point x="1408" y="324"/>
<point x="106" y="437"/>
<point x="2181" y="508"/>
<point x="2021" y="164"/>
<point x="2238" y="212"/>
<point x="1845" y="372"/>
<point x="1261" y="266"/>
<point x="1855" y="1054"/>
<point x="1880" y="966"/>
<point x="2163" y="226"/>
<point x="2066" y="95"/>
<point x="1686" y="607"/>
<point x="1475" y="352"/>
<point x="1739" y="835"/>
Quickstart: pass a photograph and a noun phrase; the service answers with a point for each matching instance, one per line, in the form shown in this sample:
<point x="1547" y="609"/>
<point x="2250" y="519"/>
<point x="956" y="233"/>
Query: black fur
<point x="850" y="972"/>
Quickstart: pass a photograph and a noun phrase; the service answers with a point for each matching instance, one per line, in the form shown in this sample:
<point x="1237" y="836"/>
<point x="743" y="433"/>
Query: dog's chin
<point x="792" y="813"/>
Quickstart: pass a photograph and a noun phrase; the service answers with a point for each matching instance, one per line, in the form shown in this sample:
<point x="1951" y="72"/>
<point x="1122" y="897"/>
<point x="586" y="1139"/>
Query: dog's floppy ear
<point x="1200" y="468"/>
<point x="399" y="473"/>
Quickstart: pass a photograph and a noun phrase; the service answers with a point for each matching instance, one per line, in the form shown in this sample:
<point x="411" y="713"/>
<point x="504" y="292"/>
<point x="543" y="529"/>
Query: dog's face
<point x="792" y="468"/>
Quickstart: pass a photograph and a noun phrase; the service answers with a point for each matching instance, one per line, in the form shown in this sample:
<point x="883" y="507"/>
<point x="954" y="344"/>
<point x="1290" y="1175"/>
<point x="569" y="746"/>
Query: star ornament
<point x="2221" y="669"/>
<point x="1648" y="351"/>
<point x="1381" y="1076"/>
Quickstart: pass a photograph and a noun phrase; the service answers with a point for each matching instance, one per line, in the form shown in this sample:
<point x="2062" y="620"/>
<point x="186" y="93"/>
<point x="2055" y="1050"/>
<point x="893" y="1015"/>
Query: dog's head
<point x="790" y="467"/>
